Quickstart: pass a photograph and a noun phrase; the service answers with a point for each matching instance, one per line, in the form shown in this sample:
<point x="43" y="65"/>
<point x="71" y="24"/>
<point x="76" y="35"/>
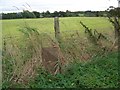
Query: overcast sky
<point x="56" y="5"/>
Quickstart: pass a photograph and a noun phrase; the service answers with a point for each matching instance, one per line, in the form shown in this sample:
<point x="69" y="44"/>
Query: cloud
<point x="56" y="5"/>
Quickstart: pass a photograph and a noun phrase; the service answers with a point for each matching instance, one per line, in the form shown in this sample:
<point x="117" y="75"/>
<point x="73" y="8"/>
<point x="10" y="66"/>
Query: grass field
<point x="47" y="24"/>
<point x="83" y="59"/>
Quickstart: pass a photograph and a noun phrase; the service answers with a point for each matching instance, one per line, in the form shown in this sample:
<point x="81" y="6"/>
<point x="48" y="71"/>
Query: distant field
<point x="47" y="24"/>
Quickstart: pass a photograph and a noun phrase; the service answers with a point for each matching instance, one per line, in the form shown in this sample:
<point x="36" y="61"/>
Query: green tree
<point x="27" y="14"/>
<point x="56" y="14"/>
<point x="37" y="14"/>
<point x="47" y="14"/>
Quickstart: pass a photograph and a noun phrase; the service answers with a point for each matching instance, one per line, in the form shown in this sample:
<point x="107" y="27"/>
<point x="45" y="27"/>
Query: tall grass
<point x="22" y="57"/>
<point x="94" y="75"/>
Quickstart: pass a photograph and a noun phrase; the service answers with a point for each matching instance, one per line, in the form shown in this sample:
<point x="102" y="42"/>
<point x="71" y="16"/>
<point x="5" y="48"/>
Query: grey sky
<point x="56" y="5"/>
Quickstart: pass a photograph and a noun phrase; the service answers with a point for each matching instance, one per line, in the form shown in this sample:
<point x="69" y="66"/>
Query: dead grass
<point x="23" y="56"/>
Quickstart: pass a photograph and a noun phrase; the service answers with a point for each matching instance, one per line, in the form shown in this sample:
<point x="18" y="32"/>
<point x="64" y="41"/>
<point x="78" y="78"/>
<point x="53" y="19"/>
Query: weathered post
<point x="57" y="28"/>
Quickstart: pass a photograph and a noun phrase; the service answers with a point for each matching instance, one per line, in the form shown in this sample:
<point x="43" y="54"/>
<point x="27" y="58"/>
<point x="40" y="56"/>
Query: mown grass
<point x="47" y="24"/>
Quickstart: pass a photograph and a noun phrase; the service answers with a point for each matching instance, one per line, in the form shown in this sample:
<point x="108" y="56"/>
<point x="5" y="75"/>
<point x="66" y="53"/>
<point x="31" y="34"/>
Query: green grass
<point x="17" y="51"/>
<point x="98" y="73"/>
<point x="66" y="24"/>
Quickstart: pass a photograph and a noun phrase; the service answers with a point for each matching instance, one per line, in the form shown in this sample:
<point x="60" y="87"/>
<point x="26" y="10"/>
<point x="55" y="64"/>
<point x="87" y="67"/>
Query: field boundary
<point x="0" y="52"/>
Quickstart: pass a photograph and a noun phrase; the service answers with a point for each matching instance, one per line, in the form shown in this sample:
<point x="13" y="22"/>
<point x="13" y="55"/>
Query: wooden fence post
<point x="57" y="28"/>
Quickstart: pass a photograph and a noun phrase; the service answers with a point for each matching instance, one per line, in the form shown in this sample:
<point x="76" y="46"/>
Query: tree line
<point x="67" y="13"/>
